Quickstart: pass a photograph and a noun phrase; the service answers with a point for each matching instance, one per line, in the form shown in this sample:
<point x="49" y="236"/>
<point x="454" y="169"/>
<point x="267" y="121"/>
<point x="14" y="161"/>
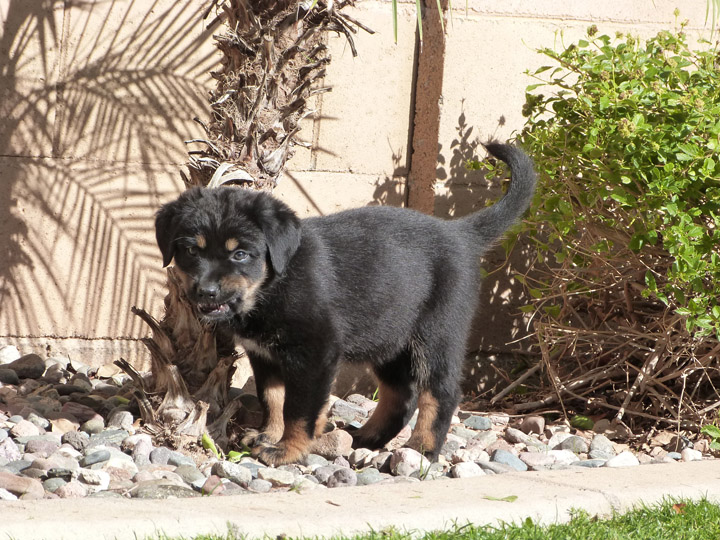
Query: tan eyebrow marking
<point x="231" y="244"/>
<point x="200" y="241"/>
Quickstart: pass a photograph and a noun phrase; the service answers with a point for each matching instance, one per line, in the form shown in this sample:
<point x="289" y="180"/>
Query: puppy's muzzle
<point x="212" y="302"/>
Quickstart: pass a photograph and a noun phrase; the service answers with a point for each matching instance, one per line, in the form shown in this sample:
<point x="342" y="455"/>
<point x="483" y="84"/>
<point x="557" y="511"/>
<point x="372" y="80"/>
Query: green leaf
<point x="711" y="431"/>
<point x="209" y="444"/>
<point x="509" y="498"/>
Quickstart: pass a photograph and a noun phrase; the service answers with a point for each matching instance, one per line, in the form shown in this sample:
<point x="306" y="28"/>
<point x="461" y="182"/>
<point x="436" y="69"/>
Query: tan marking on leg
<point x="275" y="399"/>
<point x="321" y="422"/>
<point x="423" y="438"/>
<point x="291" y="448"/>
<point x="201" y="241"/>
<point x="231" y="244"/>
<point x="390" y="400"/>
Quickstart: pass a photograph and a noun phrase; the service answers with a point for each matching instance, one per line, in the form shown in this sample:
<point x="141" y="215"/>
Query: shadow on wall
<point x="97" y="98"/>
<point x="499" y="324"/>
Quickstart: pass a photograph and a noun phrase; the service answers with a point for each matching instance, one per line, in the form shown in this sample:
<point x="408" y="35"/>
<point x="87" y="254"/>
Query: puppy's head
<point x="227" y="242"/>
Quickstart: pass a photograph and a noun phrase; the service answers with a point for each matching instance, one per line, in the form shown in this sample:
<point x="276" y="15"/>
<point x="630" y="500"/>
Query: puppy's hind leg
<point x="397" y="399"/>
<point x="437" y="401"/>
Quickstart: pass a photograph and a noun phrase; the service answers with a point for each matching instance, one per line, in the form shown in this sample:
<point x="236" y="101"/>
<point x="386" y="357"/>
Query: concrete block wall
<point x="98" y="98"/>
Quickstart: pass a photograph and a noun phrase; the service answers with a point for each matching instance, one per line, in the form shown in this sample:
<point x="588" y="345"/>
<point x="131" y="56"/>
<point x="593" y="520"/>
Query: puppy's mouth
<point x="214" y="311"/>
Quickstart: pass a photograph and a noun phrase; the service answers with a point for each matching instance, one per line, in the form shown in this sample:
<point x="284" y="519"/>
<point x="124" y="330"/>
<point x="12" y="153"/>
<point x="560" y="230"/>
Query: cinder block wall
<point x="98" y="100"/>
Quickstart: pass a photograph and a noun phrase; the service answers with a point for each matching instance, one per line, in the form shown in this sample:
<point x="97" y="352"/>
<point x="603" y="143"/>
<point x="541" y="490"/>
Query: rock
<point x="277" y="477"/>
<point x="108" y="437"/>
<point x="152" y="491"/>
<point x="52" y="484"/>
<point x="72" y="490"/>
<point x="369" y="476"/>
<point x="24" y="429"/>
<point x="406" y="460"/>
<point x="313" y="461"/>
<point x="189" y="474"/>
<point x="97" y="480"/>
<point x="8" y="376"/>
<point x="690" y="454"/>
<point x="8" y="354"/>
<point x="20" y="486"/>
<point x="515" y="436"/>
<point x="9" y="451"/>
<point x="466" y="470"/>
<point x="470" y="454"/>
<point x="507" y="458"/>
<point x="122" y="420"/>
<point x="42" y="447"/>
<point x="82" y="412"/>
<point x="589" y="463"/>
<point x="574" y="443"/>
<point x="536" y="460"/>
<point x="361" y="457"/>
<point x="382" y="462"/>
<point x="332" y="445"/>
<point x="478" y="423"/>
<point x="30" y="366"/>
<point x="532" y="424"/>
<point x="492" y="467"/>
<point x="95" y="456"/>
<point x="463" y="433"/>
<point x="233" y="471"/>
<point x="342" y="478"/>
<point x="563" y="457"/>
<point x="212" y="485"/>
<point x="347" y="410"/>
<point x="259" y="486"/>
<point x="623" y="459"/>
<point x="483" y="440"/>
<point x="557" y="438"/>
<point x="323" y="473"/>
<point x="601" y="447"/>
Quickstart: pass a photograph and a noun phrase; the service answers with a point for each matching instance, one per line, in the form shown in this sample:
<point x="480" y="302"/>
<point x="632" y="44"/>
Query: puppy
<point x="388" y="286"/>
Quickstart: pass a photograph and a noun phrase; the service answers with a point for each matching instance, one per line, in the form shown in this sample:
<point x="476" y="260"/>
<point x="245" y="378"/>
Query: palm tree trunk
<point x="274" y="61"/>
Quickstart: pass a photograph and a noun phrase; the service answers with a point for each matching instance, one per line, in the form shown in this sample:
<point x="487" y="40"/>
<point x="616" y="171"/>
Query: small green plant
<point x="713" y="432"/>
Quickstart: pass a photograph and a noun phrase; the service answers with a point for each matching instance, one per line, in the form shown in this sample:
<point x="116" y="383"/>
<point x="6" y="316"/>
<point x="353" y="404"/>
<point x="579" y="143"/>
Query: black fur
<point x="384" y="285"/>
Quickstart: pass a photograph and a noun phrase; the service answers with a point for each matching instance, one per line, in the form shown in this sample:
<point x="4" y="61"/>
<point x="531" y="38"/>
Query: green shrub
<point x="628" y="156"/>
<point x="625" y="229"/>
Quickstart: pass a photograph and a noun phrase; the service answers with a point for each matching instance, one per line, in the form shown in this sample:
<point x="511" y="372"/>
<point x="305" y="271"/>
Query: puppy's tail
<point x="492" y="222"/>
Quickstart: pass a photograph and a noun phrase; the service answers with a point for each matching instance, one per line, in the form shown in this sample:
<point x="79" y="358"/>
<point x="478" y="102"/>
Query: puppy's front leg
<point x="307" y="388"/>
<point x="271" y="393"/>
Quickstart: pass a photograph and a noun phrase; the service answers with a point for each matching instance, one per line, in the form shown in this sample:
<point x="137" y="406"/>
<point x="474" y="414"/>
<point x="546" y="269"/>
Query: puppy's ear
<point x="165" y="231"/>
<point x="281" y="228"/>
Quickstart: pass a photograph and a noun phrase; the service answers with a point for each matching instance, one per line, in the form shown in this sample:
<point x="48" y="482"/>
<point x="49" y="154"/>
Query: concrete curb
<point x="545" y="497"/>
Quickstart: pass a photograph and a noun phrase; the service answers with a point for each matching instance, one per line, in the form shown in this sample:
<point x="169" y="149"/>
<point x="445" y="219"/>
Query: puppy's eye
<point x="193" y="251"/>
<point x="239" y="256"/>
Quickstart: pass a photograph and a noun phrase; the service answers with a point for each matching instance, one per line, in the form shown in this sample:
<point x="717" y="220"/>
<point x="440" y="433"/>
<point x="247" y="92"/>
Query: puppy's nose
<point x="208" y="291"/>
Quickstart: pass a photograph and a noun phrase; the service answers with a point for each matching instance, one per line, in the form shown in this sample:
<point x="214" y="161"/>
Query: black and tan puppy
<point x="383" y="285"/>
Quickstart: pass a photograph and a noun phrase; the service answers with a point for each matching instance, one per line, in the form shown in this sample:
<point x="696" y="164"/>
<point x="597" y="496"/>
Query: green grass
<point x="671" y="520"/>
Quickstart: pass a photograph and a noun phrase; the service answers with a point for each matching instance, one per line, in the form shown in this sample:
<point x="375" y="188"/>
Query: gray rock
<point x="508" y="458"/>
<point x="493" y="467"/>
<point x="277" y="477"/>
<point x="30" y="366"/>
<point x="160" y="455"/>
<point x="259" y="486"/>
<point x="589" y="463"/>
<point x="176" y="458"/>
<point x="406" y="460"/>
<point x="532" y="424"/>
<point x="8" y="354"/>
<point x="313" y="461"/>
<point x="513" y="435"/>
<point x="42" y="447"/>
<point x="537" y="461"/>
<point x="463" y="432"/>
<point x="120" y="419"/>
<point x="382" y="462"/>
<point x="233" y="471"/>
<point x="479" y="423"/>
<point x="345" y="409"/>
<point x="9" y="376"/>
<point x="9" y="451"/>
<point x="52" y="484"/>
<point x="189" y="474"/>
<point x="323" y="473"/>
<point x="94" y="456"/>
<point x="601" y="447"/>
<point x="557" y="438"/>
<point x="483" y="440"/>
<point x="109" y="437"/>
<point x="163" y="492"/>
<point x="342" y="478"/>
<point x="623" y="459"/>
<point x="466" y="470"/>
<point x="369" y="476"/>
<point x="575" y="444"/>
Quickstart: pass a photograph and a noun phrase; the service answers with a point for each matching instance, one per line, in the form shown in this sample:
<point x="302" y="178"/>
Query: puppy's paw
<point x="253" y="437"/>
<point x="277" y="454"/>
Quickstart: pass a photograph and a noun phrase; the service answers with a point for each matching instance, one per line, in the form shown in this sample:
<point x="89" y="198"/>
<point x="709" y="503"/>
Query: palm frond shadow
<point x="95" y="118"/>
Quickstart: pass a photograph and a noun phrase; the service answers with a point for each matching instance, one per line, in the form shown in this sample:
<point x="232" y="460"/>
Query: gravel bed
<point x="66" y="431"/>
